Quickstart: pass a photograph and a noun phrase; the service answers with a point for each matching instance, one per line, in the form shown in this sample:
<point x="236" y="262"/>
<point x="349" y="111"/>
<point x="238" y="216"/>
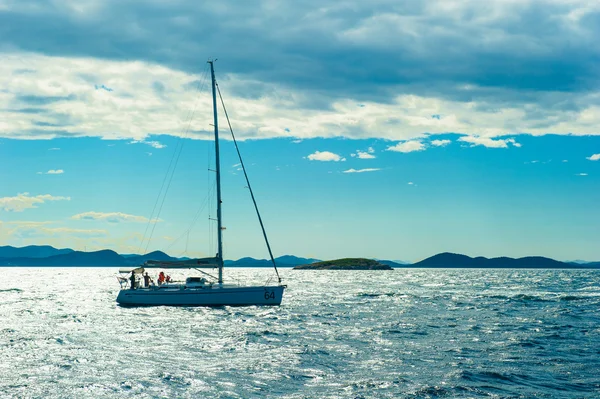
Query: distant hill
<point x="584" y="263"/>
<point x="76" y="258"/>
<point x="46" y="255"/>
<point x="345" y="264"/>
<point x="450" y="260"/>
<point x="248" y="262"/>
<point x="291" y="260"/>
<point x="282" y="261"/>
<point x="50" y="256"/>
<point x="156" y="255"/>
<point x="32" y="251"/>
<point x="393" y="263"/>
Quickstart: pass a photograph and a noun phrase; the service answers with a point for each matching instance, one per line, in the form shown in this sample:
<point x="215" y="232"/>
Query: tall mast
<point x="218" y="171"/>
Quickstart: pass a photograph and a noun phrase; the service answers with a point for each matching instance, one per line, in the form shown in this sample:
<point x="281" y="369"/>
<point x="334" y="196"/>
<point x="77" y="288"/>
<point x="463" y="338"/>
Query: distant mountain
<point x="282" y="261"/>
<point x="247" y="262"/>
<point x="393" y="263"/>
<point x="345" y="264"/>
<point x="156" y="255"/>
<point x="291" y="260"/>
<point x="32" y="251"/>
<point x="450" y="260"/>
<point x="76" y="258"/>
<point x="49" y="256"/>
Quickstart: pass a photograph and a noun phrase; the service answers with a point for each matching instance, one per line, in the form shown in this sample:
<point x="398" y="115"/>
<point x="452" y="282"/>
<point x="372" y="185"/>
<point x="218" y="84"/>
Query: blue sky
<point x="387" y="130"/>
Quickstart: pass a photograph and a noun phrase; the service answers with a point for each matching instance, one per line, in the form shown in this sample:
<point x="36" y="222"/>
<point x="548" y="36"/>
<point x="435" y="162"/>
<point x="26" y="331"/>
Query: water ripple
<point x="410" y="333"/>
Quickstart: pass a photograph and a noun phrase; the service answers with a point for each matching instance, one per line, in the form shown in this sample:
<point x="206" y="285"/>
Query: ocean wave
<point x="492" y="334"/>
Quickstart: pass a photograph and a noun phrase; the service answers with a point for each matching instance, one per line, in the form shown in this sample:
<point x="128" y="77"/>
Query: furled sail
<point x="203" y="263"/>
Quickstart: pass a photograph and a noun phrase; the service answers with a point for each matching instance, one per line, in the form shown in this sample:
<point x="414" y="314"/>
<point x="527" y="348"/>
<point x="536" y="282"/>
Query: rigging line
<point x="164" y="198"/>
<point x="156" y="202"/>
<point x="193" y="222"/>
<point x="187" y="241"/>
<point x="194" y="219"/>
<point x="174" y="167"/>
<point x="248" y="182"/>
<point x="199" y="88"/>
<point x="209" y="275"/>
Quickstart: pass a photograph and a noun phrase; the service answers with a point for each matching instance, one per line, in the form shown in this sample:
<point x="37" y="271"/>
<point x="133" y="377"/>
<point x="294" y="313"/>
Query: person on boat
<point x="168" y="279"/>
<point x="147" y="280"/>
<point x="161" y="278"/>
<point x="132" y="278"/>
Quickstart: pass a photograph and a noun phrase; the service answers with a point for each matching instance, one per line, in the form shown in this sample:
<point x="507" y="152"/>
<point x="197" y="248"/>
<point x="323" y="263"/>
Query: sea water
<point x="407" y="333"/>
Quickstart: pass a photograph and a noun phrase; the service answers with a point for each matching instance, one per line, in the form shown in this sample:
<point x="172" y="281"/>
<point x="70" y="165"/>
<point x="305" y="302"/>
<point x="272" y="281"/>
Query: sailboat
<point x="205" y="290"/>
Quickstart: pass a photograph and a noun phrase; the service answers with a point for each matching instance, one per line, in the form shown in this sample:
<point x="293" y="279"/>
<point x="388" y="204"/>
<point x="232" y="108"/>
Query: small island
<point x="345" y="264"/>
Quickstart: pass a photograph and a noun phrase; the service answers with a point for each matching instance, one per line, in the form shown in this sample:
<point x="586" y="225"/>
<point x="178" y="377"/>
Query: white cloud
<point x="135" y="111"/>
<point x="153" y="144"/>
<point x="361" y="170"/>
<point x="565" y="160"/>
<point x="325" y="156"/>
<point x="595" y="157"/>
<point x="407" y="146"/>
<point x="55" y="172"/>
<point x="440" y="143"/>
<point x="364" y="154"/>
<point x="28" y="223"/>
<point x="489" y="142"/>
<point x="581" y="174"/>
<point x="31" y="230"/>
<point x="411" y="183"/>
<point x="54" y="149"/>
<point x="24" y="201"/>
<point x="111" y="217"/>
<point x="513" y="142"/>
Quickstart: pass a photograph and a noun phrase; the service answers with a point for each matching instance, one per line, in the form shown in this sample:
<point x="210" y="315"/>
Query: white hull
<point x="197" y="291"/>
<point x="205" y="296"/>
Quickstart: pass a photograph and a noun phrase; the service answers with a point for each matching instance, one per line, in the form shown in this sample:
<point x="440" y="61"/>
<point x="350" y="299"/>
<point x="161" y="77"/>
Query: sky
<point x="374" y="129"/>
